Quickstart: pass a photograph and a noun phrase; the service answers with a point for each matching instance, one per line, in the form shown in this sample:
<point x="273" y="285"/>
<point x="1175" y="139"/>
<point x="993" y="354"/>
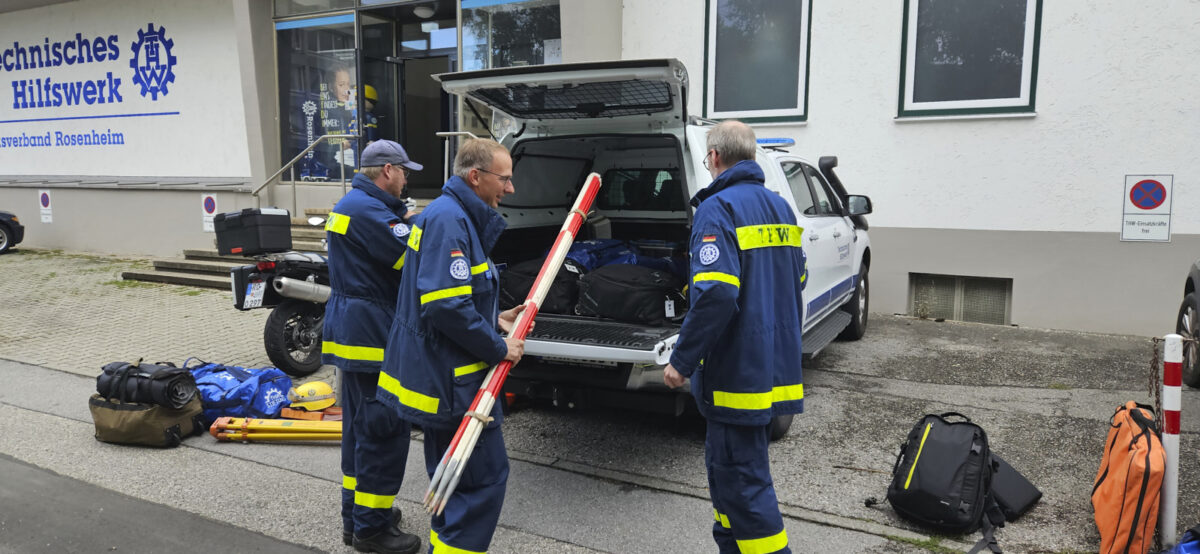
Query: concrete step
<point x="302" y="222"/>
<point x="214" y="256"/>
<point x="179" y="278"/>
<point x="309" y="212"/>
<point x="212" y="267"/>
<point x="308" y="246"/>
<point x="307" y="232"/>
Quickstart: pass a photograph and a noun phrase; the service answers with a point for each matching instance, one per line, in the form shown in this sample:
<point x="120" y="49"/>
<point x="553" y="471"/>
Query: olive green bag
<point x="144" y="424"/>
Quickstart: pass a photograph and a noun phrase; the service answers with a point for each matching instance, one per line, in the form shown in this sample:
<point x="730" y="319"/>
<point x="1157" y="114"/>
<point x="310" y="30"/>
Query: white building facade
<point x="1005" y="144"/>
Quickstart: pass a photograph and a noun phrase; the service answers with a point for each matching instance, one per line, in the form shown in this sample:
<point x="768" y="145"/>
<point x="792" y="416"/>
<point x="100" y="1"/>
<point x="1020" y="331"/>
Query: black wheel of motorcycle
<point x="293" y="337"/>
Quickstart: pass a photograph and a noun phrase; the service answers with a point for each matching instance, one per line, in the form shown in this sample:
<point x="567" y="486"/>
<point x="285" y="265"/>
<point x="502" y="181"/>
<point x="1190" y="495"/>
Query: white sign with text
<point x="1146" y="208"/>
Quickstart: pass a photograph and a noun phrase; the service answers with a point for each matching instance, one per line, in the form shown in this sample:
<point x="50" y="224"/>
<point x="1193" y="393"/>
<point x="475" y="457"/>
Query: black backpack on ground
<point x="632" y="294"/>
<point x="942" y="479"/>
<point x="516" y="281"/>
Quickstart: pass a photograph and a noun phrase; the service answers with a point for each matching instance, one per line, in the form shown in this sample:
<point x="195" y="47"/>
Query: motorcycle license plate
<point x="254" y="294"/>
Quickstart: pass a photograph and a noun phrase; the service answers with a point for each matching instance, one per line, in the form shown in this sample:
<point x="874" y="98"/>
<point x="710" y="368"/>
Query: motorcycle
<point x="295" y="285"/>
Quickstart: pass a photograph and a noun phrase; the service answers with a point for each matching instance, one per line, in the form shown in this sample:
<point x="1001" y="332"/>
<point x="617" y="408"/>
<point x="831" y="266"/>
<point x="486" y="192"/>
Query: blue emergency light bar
<point x="776" y="142"/>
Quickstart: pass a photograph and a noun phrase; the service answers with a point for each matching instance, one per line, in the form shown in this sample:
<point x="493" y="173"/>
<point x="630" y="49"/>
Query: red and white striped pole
<point x="1171" y="392"/>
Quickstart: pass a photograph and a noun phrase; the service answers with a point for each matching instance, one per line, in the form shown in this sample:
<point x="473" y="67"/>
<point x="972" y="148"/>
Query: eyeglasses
<point x="707" y="155"/>
<point x="503" y="178"/>
<point x="406" y="170"/>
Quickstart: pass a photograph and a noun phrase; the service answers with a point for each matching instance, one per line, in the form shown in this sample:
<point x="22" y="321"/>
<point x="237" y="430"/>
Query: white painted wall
<point x="208" y="137"/>
<point x="591" y="30"/>
<point x="1115" y="95"/>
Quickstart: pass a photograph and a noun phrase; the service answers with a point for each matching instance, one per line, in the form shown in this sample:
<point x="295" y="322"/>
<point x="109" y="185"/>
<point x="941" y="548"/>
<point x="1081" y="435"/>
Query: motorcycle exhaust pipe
<point x="301" y="290"/>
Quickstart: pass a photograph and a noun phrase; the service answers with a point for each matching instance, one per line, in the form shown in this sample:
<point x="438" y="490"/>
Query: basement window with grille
<point x="960" y="298"/>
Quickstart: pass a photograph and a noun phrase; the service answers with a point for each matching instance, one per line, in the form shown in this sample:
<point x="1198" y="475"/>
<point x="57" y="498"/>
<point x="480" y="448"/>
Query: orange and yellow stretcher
<point x="262" y="430"/>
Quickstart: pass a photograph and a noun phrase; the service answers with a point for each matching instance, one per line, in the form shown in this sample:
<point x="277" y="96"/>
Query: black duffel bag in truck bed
<point x="516" y="281"/>
<point x="632" y="293"/>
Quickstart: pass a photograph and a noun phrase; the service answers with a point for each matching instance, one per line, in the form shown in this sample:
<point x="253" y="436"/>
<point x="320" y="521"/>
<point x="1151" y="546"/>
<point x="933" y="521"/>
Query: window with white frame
<point x="756" y="62"/>
<point x="969" y="56"/>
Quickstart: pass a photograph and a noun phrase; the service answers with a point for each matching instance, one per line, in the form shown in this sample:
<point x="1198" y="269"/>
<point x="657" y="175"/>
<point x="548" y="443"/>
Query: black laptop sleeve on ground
<point x="1014" y="493"/>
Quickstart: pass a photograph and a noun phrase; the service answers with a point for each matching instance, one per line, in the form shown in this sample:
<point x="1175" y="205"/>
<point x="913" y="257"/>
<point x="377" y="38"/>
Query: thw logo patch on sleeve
<point x="399" y="229"/>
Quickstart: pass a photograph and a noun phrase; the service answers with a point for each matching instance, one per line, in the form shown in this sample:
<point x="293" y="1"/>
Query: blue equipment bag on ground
<point x="232" y="391"/>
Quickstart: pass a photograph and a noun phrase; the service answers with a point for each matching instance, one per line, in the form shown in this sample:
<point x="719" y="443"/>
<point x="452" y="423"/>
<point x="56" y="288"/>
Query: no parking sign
<point x="1147" y="208"/>
<point x="44" y="206"/>
<point x="208" y="209"/>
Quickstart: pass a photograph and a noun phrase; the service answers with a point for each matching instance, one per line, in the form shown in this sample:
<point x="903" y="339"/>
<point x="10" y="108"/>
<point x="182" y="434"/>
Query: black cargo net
<point x="606" y="99"/>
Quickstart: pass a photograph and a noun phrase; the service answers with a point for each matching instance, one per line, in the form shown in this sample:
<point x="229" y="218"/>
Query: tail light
<point x="265" y="266"/>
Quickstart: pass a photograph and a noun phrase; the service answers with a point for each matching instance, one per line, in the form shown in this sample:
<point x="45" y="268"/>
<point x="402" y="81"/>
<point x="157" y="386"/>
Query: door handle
<point x="813" y="236"/>
<point x="837" y="234"/>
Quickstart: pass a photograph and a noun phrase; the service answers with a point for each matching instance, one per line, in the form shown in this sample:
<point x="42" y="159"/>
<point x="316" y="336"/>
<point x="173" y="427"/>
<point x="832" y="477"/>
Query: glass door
<point x="402" y="47"/>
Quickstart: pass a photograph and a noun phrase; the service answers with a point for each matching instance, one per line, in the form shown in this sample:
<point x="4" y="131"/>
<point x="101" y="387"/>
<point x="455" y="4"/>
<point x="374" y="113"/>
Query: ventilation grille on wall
<point x="977" y="299"/>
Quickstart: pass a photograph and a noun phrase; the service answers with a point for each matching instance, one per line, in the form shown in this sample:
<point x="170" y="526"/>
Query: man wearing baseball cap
<point x="367" y="235"/>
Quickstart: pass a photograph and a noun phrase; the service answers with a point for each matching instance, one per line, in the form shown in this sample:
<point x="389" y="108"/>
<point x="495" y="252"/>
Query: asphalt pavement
<point x="582" y="480"/>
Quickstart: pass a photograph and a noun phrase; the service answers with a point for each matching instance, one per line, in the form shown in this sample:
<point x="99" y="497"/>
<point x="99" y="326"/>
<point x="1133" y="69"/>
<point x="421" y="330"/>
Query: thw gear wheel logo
<point x="152" y="62"/>
<point x="273" y="398"/>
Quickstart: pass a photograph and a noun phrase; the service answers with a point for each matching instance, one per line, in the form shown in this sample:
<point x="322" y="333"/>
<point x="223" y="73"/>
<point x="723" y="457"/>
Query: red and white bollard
<point x="1171" y="390"/>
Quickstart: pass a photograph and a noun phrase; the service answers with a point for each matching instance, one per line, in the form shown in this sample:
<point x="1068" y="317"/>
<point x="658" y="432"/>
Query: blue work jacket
<point x="444" y="338"/>
<point x="740" y="341"/>
<point x="366" y="234"/>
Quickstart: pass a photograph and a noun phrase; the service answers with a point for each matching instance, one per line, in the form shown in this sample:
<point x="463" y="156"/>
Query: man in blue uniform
<point x="444" y="338"/>
<point x="740" y="341"/>
<point x="366" y="234"/>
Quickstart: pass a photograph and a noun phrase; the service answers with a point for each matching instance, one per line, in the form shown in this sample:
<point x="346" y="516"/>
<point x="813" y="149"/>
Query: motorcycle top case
<point x="253" y="231"/>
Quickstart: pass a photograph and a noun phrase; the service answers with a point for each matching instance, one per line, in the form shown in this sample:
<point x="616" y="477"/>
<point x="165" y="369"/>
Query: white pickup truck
<point x="627" y="121"/>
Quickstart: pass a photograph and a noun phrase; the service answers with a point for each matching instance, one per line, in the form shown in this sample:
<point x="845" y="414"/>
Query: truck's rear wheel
<point x="780" y="425"/>
<point x="857" y="308"/>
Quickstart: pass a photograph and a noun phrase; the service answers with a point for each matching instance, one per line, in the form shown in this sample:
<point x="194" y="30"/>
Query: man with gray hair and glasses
<point x="740" y="341"/>
<point x="447" y="335"/>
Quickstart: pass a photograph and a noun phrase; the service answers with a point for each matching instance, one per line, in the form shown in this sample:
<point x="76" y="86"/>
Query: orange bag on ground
<point x="1125" y="496"/>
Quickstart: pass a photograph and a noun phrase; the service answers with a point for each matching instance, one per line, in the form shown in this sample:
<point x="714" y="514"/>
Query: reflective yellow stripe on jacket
<point x="348" y="482"/>
<point x="469" y="369"/>
<point x="762" y="236"/>
<point x="717" y="276"/>
<point x="757" y="400"/>
<point x="412" y="399"/>
<point x="765" y="545"/>
<point x="440" y="547"/>
<point x="337" y="223"/>
<point x="477" y="269"/>
<point x="400" y="262"/>
<point x="464" y="290"/>
<point x="347" y="352"/>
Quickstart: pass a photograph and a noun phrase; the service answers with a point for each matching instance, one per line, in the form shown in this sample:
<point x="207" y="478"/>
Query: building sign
<point x="44" y="206"/>
<point x="1147" y="208"/>
<point x="35" y="90"/>
<point x="103" y="88"/>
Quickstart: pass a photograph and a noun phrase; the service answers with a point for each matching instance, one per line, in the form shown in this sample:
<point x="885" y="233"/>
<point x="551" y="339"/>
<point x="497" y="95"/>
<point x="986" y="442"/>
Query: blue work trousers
<point x="374" y="453"/>
<point x="474" y="509"/>
<point x="745" y="510"/>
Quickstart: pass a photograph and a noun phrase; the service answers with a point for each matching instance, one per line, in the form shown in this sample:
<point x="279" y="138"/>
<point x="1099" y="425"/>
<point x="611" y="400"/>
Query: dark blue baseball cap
<point x="383" y="152"/>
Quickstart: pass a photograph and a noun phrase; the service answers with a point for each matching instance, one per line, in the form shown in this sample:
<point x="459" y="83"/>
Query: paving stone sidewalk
<point x="72" y="312"/>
